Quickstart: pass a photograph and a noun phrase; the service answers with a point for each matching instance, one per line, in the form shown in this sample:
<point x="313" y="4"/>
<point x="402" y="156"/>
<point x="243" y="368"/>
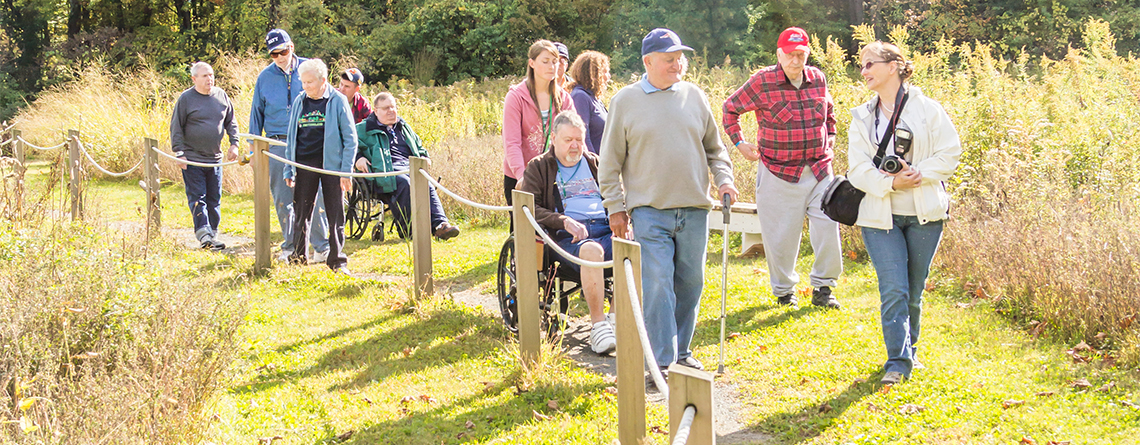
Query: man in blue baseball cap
<point x="660" y="144"/>
<point x="273" y="95"/>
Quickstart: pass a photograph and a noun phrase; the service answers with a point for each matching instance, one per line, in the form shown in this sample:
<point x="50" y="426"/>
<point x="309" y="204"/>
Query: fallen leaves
<point x="1106" y="387"/>
<point x="1007" y="404"/>
<point x="345" y="435"/>
<point x="611" y="390"/>
<point x="469" y="425"/>
<point x="733" y="335"/>
<point x="911" y="408"/>
<point x="1036" y="328"/>
<point x="1027" y="441"/>
<point x="86" y="355"/>
<point x="539" y="416"/>
<point x="1126" y="322"/>
<point x="268" y="439"/>
<point x="761" y="348"/>
<point x="657" y="429"/>
<point x="1046" y="394"/>
<point x="552" y="405"/>
<point x="1081" y="383"/>
<point x="825" y="408"/>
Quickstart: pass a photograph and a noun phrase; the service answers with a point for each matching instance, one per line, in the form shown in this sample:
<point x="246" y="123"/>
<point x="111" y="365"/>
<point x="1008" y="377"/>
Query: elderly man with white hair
<point x="322" y="134"/>
<point x="202" y="116"/>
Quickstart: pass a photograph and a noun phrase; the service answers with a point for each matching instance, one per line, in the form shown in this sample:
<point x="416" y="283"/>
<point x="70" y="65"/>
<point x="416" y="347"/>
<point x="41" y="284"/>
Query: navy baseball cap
<point x="563" y="51"/>
<point x="661" y="40"/>
<point x="276" y="39"/>
<point x="353" y="75"/>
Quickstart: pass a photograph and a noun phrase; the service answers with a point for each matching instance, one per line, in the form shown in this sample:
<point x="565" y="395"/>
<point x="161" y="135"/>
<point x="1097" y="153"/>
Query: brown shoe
<point x="446" y="231"/>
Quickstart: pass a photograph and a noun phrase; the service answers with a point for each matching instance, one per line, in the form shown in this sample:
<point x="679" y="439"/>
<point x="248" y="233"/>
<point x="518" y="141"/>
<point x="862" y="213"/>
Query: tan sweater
<point x="658" y="150"/>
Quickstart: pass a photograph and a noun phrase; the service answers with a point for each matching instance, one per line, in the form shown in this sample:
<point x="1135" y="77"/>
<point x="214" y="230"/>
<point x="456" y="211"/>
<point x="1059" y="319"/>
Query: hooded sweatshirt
<point x="522" y="128"/>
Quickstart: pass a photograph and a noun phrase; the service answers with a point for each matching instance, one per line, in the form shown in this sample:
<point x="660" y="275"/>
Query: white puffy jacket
<point x="935" y="150"/>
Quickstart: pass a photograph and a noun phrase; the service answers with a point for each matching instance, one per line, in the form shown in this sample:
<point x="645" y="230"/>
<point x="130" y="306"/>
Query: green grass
<point x="323" y="355"/>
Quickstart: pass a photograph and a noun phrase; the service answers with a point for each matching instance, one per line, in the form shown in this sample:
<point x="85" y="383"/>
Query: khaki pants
<point x="781" y="207"/>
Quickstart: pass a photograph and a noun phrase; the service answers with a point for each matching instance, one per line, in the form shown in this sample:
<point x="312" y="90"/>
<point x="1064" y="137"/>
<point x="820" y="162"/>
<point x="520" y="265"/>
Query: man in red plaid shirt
<point x="796" y="118"/>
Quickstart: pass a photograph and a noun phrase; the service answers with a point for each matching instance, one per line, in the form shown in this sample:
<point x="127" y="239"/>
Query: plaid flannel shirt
<point x="795" y="124"/>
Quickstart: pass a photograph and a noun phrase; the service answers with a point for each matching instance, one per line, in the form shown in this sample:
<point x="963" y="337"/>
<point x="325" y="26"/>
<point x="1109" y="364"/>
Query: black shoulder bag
<point x="841" y="199"/>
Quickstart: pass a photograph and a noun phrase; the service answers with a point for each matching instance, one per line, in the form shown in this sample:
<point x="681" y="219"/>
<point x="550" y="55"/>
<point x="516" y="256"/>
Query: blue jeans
<point x="204" y="196"/>
<point x="902" y="258"/>
<point x="401" y="202"/>
<point x="283" y="202"/>
<point x="673" y="243"/>
<point x="598" y="231"/>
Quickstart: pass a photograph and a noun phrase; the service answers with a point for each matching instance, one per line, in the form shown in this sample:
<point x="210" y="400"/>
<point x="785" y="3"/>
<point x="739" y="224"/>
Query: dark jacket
<point x="540" y="178"/>
<point x="375" y="145"/>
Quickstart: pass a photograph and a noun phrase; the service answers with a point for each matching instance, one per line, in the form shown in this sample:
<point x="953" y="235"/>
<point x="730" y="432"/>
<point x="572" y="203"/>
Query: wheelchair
<point x="557" y="282"/>
<point x="364" y="206"/>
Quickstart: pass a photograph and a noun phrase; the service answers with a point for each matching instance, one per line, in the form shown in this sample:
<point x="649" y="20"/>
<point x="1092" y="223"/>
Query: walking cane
<point x="723" y="279"/>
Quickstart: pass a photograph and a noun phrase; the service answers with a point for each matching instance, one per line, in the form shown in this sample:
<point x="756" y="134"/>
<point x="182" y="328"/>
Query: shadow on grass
<point x="447" y="423"/>
<point x="444" y="336"/>
<point x="745" y="320"/>
<point x="805" y="424"/>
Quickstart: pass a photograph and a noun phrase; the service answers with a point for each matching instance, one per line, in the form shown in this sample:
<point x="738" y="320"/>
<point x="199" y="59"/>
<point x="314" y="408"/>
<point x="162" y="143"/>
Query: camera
<point x="894" y="163"/>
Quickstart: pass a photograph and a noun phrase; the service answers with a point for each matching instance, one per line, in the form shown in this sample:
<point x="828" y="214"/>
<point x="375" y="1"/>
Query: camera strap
<point x="900" y="100"/>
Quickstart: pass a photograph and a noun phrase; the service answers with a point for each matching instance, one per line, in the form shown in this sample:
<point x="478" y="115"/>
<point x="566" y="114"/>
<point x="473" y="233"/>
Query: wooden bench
<point x="743" y="220"/>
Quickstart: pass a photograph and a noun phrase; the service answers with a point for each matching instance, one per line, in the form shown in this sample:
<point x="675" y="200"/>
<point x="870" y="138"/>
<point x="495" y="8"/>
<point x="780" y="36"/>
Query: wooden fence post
<point x="151" y="179"/>
<point x="262" y="201"/>
<point x="18" y="151"/>
<point x="421" y="229"/>
<point x="688" y="386"/>
<point x="74" y="163"/>
<point x="630" y="358"/>
<point x="526" y="278"/>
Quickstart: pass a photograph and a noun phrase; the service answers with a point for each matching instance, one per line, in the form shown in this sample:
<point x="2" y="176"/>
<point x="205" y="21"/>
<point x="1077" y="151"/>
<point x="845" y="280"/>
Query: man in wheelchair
<point x="568" y="204"/>
<point x="387" y="143"/>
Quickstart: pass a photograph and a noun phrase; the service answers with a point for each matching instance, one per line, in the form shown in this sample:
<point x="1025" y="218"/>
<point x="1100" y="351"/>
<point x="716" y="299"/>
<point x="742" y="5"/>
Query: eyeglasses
<point x="871" y="63"/>
<point x="277" y="54"/>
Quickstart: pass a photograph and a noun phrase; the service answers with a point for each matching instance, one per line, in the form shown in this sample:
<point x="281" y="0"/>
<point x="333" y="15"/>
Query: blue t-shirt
<point x="581" y="198"/>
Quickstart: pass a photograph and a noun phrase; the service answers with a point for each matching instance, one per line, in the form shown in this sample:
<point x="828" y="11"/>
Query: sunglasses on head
<point x="277" y="54"/>
<point x="872" y="63"/>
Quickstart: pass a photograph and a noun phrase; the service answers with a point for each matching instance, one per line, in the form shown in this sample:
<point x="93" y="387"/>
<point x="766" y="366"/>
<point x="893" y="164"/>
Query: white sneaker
<point x="320" y="257"/>
<point x="612" y="320"/>
<point x="284" y="256"/>
<point x="602" y="340"/>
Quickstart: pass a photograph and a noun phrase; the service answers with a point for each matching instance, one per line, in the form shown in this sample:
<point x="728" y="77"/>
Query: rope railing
<point x="189" y="162"/>
<point x="83" y="150"/>
<point x="7" y="129"/>
<point x="9" y="141"/>
<point x="37" y="147"/>
<point x="255" y="137"/>
<point x="469" y="202"/>
<point x="686" y="426"/>
<point x="554" y="245"/>
<point x="639" y="321"/>
<point x="336" y="173"/>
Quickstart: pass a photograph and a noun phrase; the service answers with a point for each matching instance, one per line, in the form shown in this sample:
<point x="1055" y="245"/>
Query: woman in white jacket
<point x="901" y="216"/>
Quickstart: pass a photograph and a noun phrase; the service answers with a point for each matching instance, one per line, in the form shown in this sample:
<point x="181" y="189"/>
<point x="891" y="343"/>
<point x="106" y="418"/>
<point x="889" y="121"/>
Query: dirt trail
<point x="730" y="428"/>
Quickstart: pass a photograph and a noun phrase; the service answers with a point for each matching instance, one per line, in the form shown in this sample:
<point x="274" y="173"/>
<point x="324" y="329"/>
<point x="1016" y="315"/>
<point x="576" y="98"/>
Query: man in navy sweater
<point x="273" y="94"/>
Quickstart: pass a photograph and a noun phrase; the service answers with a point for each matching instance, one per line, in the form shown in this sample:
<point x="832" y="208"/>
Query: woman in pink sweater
<point x="527" y="113"/>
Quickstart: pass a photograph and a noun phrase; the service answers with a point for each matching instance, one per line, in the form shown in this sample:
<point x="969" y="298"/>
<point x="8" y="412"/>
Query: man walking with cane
<point x="657" y="151"/>
<point x="796" y="118"/>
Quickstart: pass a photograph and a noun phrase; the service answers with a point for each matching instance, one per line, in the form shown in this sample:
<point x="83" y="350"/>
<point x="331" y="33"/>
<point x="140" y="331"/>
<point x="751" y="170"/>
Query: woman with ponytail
<point x="528" y="110"/>
<point x="902" y="149"/>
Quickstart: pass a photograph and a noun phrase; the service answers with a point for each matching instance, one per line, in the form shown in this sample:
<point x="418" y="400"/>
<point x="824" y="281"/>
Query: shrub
<point x="98" y="343"/>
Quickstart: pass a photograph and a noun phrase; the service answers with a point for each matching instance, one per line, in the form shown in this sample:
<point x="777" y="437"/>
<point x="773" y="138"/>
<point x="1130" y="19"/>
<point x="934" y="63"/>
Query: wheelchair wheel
<point x="506" y="286"/>
<point x="357" y="212"/>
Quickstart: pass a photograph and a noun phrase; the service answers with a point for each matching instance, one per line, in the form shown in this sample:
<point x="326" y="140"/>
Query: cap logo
<point x="796" y="38"/>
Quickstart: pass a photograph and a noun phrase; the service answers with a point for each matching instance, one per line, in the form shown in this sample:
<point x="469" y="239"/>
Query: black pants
<point x="509" y="184"/>
<point x="304" y="199"/>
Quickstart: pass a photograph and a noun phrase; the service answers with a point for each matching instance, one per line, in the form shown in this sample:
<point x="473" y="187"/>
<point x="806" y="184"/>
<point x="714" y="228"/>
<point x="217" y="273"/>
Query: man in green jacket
<point x="387" y="143"/>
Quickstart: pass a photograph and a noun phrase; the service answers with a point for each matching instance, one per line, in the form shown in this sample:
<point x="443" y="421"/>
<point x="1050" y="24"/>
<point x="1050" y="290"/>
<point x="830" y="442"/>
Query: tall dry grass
<point x="103" y="339"/>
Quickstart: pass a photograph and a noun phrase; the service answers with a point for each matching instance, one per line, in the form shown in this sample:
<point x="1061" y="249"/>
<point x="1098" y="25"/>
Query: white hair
<point x="197" y="68"/>
<point x="570" y="118"/>
<point x="316" y="67"/>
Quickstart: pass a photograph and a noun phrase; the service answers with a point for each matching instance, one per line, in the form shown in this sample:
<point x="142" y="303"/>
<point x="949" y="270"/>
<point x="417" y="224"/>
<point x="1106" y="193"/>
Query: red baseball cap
<point x="793" y="39"/>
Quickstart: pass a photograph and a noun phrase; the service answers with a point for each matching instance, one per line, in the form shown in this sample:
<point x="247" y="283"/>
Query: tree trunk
<point x="855" y="12"/>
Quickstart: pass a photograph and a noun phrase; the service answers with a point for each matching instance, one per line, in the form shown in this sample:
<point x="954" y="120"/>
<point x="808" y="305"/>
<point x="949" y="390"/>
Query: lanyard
<point x="563" y="181"/>
<point x="546" y="124"/>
